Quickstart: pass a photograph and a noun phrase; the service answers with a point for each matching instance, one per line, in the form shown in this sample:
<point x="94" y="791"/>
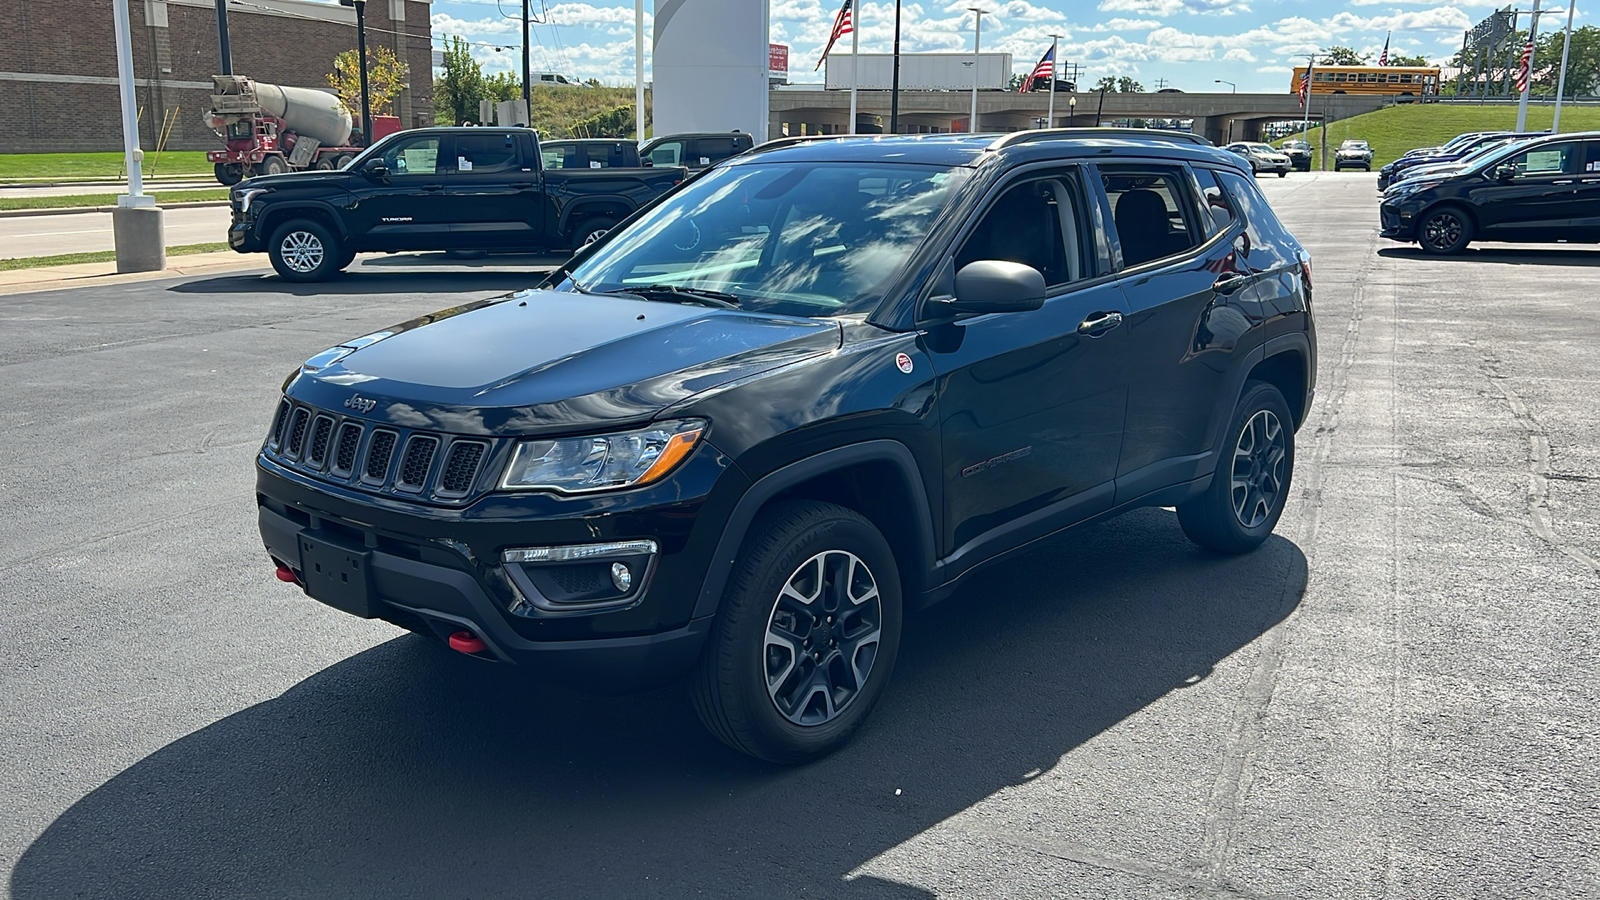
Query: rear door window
<point x="487" y="152"/>
<point x="1153" y="215"/>
<point x="1551" y="159"/>
<point x="667" y="153"/>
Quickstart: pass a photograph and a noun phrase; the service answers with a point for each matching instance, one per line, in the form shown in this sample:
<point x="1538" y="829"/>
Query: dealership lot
<point x="1394" y="697"/>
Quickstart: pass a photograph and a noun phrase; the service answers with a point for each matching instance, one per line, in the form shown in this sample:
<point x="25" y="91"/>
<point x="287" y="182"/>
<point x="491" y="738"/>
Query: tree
<point x="1397" y="60"/>
<point x="1108" y="83"/>
<point x="387" y="76"/>
<point x="456" y="93"/>
<point x="1129" y="86"/>
<point x="1583" y="64"/>
<point x="1342" y="56"/>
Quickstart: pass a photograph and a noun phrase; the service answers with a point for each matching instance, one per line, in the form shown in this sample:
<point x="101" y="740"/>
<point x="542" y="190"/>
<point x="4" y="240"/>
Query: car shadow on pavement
<point x="1517" y="256"/>
<point x="410" y="281"/>
<point x="407" y="771"/>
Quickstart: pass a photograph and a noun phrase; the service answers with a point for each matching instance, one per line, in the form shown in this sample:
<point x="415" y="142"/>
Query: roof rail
<point x="794" y="139"/>
<point x="1061" y="134"/>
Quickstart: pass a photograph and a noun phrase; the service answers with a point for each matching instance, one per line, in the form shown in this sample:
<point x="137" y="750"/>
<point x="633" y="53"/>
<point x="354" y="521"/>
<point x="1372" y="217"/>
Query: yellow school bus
<point x="1400" y="81"/>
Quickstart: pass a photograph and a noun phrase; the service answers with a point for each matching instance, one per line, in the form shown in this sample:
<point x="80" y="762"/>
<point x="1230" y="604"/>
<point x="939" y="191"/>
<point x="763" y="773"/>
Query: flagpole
<point x="894" y="82"/>
<point x="977" y="39"/>
<point x="1561" y="85"/>
<point x="1305" y="123"/>
<point x="1050" y="116"/>
<point x="1527" y="86"/>
<point x="855" y="64"/>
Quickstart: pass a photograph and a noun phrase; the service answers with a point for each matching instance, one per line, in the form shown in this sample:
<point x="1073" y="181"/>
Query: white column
<point x="638" y="70"/>
<point x="977" y="39"/>
<point x="1561" y="83"/>
<point x="855" y="61"/>
<point x="1522" y="102"/>
<point x="130" y="110"/>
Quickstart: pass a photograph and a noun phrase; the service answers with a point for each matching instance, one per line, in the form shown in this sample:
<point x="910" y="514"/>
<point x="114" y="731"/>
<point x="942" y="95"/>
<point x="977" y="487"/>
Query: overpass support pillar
<point x="1211" y="128"/>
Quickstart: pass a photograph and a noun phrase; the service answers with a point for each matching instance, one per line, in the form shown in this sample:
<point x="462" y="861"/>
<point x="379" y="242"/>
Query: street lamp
<point x="361" y="52"/>
<point x="977" y="38"/>
<point x="1072" y="108"/>
<point x="1226" y="82"/>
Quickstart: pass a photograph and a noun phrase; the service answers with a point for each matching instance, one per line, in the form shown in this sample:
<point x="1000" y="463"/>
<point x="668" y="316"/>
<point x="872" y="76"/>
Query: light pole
<point x="1055" y="44"/>
<point x="1226" y="82"/>
<point x="1527" y="86"/>
<point x="894" y="80"/>
<point x="361" y="54"/>
<point x="977" y="38"/>
<point x="1072" y="107"/>
<point x="136" y="226"/>
<point x="1561" y="82"/>
<point x="638" y="73"/>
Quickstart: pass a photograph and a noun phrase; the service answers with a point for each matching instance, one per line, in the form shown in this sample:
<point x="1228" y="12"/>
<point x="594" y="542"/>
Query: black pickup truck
<point x="434" y="189"/>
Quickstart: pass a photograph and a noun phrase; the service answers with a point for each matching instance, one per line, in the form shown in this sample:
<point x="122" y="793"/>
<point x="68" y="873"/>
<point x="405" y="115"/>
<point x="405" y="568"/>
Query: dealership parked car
<point x="694" y="151"/>
<point x="1451" y="152"/>
<point x="589" y="153"/>
<point x="1482" y="152"/>
<point x="1262" y="157"/>
<point x="434" y="189"/>
<point x="739" y="436"/>
<point x="1299" y="153"/>
<point x="1546" y="189"/>
<point x="1353" y="154"/>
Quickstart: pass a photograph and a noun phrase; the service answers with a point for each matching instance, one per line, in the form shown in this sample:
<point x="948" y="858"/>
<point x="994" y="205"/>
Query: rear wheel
<point x="1445" y="230"/>
<point x="273" y="165"/>
<point x="806" y="636"/>
<point x="1250" y="484"/>
<point x="345" y="159"/>
<point x="324" y="164"/>
<point x="591" y="229"/>
<point x="306" y="250"/>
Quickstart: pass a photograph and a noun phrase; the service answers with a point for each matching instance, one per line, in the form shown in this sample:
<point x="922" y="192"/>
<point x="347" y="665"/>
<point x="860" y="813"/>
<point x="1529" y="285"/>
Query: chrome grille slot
<point x="461" y="467"/>
<point x="321" y="431"/>
<point x="278" y="423"/>
<point x="344" y="452"/>
<point x="416" y="462"/>
<point x="297" y="431"/>
<point x="379" y="453"/>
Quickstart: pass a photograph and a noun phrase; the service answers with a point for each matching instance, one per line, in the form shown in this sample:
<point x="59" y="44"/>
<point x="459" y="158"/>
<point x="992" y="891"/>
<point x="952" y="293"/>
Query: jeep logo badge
<point x="361" y="404"/>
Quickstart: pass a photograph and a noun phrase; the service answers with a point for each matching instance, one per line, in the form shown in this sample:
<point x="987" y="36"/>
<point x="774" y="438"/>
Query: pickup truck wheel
<point x="1250" y="484"/>
<point x="806" y="636"/>
<point x="305" y="250"/>
<point x="591" y="229"/>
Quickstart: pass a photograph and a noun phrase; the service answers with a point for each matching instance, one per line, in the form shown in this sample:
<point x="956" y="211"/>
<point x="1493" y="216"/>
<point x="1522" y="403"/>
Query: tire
<point x="344" y="160"/>
<point x="273" y="165"/>
<point x="324" y="164"/>
<point x="759" y="686"/>
<point x="1445" y="230"/>
<point x="227" y="175"/>
<point x="1283" y="174"/>
<point x="1258" y="460"/>
<point x="306" y="250"/>
<point x="589" y="230"/>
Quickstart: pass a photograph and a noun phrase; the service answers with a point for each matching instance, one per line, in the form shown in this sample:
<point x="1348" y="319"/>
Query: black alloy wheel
<point x="806" y="637"/>
<point x="1250" y="484"/>
<point x="1444" y="231"/>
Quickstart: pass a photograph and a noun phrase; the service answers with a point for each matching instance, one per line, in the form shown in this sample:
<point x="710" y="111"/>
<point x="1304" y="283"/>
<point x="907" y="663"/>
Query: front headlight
<point x="602" y="462"/>
<point x="248" y="194"/>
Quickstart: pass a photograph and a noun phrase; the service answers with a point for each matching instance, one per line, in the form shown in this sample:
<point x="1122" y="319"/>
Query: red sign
<point x="778" y="58"/>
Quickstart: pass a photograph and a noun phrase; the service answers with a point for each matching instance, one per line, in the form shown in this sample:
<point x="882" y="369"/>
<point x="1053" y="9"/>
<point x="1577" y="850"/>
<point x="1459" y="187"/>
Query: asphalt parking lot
<point x="1395" y="697"/>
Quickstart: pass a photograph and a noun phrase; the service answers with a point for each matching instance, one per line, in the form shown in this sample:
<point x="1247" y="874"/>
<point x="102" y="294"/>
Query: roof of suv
<point x="971" y="149"/>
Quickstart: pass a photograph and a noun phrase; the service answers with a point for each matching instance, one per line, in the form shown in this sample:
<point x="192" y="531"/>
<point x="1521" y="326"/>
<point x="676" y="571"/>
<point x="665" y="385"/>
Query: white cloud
<point x="1172" y="7"/>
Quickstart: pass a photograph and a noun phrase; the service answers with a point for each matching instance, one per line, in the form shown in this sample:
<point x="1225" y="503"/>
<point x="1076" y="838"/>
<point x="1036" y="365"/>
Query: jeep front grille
<point x="350" y="451"/>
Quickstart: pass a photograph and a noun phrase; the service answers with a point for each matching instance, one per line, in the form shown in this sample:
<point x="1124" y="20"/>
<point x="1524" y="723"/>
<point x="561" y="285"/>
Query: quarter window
<point x="1039" y="223"/>
<point x="1154" y="219"/>
<point x="1218" y="206"/>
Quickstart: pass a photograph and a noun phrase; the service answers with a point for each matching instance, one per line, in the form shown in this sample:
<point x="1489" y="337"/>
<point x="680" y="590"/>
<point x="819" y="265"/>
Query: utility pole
<point x="361" y="55"/>
<point x="224" y="51"/>
<point x="527" y="68"/>
<point x="977" y="38"/>
<point x="894" y="83"/>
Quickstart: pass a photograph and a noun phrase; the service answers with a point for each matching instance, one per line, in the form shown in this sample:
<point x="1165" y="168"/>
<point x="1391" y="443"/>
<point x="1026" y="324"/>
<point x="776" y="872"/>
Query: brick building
<point x="58" y="68"/>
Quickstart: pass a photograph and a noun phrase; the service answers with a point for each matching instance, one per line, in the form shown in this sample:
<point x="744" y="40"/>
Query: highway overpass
<point x="1219" y="117"/>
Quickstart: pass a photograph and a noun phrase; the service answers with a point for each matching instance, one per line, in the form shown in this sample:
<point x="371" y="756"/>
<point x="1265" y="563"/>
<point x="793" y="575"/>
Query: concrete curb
<point x="55" y="278"/>
<point x="76" y="210"/>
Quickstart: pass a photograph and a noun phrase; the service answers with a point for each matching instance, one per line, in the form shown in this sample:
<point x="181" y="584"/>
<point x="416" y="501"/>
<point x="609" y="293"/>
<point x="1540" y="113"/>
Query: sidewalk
<point x="51" y="278"/>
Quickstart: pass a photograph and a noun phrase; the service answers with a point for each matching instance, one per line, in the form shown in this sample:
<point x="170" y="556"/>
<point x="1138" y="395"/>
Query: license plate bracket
<point x="336" y="575"/>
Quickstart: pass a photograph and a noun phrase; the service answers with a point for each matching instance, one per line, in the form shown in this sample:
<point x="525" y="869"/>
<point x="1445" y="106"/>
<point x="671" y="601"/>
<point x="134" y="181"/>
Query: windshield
<point x="807" y="239"/>
<point x="1353" y="145"/>
<point x="1261" y="148"/>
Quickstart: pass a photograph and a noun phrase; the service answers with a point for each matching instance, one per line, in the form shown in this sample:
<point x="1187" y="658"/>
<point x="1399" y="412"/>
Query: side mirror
<point x="1504" y="172"/>
<point x="376" y="170"/>
<point x="993" y="285"/>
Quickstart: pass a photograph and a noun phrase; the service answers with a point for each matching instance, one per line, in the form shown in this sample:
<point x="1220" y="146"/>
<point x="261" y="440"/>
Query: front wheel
<point x="1444" y="231"/>
<point x="228" y="175"/>
<point x="806" y="637"/>
<point x="306" y="250"/>
<point x="1250" y="484"/>
<point x="1283" y="174"/>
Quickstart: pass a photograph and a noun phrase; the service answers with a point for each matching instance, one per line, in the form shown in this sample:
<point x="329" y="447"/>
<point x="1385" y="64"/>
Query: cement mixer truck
<point x="268" y="129"/>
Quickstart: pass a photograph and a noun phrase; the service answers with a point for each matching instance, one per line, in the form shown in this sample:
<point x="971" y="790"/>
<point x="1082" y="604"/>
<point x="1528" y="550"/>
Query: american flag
<point x="1522" y="68"/>
<point x="843" y="24"/>
<point x="1383" y="58"/>
<point x="1045" y="69"/>
<point x="1305" y="85"/>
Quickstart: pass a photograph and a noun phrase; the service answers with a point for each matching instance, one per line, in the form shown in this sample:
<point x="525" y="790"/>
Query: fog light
<point x="621" y="576"/>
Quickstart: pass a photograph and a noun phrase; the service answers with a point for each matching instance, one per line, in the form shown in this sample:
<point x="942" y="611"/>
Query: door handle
<point x="1099" y="323"/>
<point x="1227" y="284"/>
<point x="433" y="187"/>
<point x="1567" y="181"/>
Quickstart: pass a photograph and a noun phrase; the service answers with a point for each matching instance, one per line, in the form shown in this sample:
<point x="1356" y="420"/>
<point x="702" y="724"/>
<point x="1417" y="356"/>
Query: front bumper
<point x="242" y="236"/>
<point x="439" y="571"/>
<point x="1397" y="222"/>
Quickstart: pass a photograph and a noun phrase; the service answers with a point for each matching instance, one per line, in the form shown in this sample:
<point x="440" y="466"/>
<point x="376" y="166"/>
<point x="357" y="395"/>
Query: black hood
<point x="545" y="362"/>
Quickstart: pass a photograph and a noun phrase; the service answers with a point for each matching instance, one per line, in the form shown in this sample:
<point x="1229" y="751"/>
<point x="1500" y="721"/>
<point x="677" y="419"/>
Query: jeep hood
<point x="544" y="362"/>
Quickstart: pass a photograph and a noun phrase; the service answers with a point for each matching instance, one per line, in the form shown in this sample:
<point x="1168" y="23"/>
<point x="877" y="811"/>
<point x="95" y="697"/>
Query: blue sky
<point x="1189" y="43"/>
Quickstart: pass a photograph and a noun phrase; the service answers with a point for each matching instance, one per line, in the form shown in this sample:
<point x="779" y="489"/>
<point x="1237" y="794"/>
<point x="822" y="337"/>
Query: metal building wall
<point x="710" y="66"/>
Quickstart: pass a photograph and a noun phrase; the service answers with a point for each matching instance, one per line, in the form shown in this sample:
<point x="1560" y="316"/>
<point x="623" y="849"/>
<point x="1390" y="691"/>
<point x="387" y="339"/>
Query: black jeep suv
<point x="742" y="432"/>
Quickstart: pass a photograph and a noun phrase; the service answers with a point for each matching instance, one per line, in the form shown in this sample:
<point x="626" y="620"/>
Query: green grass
<point x="73" y="201"/>
<point x="67" y="259"/>
<point x="80" y="166"/>
<point x="1393" y="131"/>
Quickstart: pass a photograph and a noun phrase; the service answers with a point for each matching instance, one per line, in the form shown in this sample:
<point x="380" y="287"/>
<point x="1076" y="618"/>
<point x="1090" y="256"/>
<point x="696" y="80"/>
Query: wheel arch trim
<point x="765" y="488"/>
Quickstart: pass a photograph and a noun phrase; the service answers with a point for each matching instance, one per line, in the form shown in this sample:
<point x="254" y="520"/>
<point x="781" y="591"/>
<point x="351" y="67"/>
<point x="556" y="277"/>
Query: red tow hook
<point x="467" y="642"/>
<point x="285" y="573"/>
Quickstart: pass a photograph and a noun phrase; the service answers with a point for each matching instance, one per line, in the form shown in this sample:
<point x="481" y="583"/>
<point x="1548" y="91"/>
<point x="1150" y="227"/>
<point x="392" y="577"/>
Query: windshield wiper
<point x="673" y="293"/>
